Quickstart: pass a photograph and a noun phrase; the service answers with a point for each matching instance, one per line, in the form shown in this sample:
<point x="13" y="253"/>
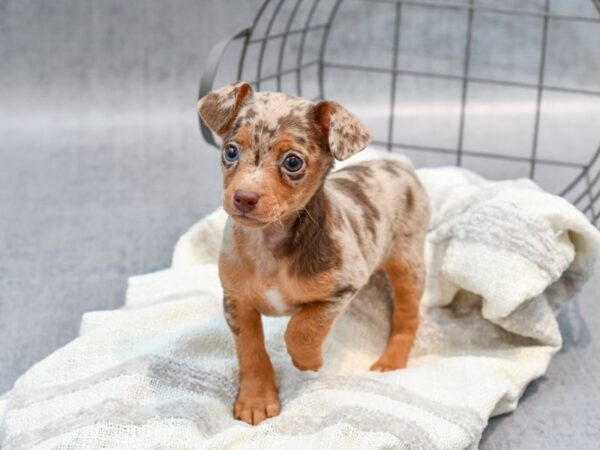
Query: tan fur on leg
<point x="306" y="332"/>
<point x="408" y="286"/>
<point x="257" y="398"/>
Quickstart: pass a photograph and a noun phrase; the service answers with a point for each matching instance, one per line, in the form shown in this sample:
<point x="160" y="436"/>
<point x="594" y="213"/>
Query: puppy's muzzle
<point x="245" y="201"/>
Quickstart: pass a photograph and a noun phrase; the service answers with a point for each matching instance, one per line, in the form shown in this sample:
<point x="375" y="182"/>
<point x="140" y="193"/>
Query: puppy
<point x="299" y="242"/>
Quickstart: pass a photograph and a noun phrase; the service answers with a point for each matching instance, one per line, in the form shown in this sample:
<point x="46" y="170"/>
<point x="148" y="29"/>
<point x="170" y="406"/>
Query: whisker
<point x="273" y="215"/>
<point x="312" y="218"/>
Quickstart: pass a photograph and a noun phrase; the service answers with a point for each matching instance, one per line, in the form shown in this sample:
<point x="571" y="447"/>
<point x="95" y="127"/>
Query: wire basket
<point x="507" y="88"/>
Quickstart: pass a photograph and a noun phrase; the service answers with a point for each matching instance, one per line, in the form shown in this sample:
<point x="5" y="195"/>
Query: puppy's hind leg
<point x="407" y="279"/>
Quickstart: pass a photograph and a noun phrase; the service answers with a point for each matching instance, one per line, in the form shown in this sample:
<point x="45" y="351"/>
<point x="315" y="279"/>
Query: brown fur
<point x="408" y="287"/>
<point x="410" y="200"/>
<point x="309" y="245"/>
<point x="356" y="230"/>
<point x="220" y="109"/>
<point x="283" y="255"/>
<point x="345" y="290"/>
<point x="230" y="309"/>
<point x="257" y="398"/>
<point x="353" y="190"/>
<point x="306" y="332"/>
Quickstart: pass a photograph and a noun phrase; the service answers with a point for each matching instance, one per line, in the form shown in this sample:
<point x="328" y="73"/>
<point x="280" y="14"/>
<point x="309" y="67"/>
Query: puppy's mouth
<point x="245" y="219"/>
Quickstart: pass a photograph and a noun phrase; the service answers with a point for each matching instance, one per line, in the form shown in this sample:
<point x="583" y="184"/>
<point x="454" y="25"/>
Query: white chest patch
<point x="275" y="299"/>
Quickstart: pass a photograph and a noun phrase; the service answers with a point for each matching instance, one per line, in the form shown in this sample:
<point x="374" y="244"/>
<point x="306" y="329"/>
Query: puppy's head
<point x="276" y="149"/>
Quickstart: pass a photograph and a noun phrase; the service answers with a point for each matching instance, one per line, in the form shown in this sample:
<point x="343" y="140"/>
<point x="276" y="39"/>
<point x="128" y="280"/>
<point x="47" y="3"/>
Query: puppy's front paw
<point x="307" y="362"/>
<point x="304" y="356"/>
<point x="383" y="365"/>
<point x="395" y="356"/>
<point x="392" y="359"/>
<point x="255" y="404"/>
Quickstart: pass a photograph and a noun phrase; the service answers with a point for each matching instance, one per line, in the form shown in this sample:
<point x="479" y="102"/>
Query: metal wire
<point x="288" y="33"/>
<point x="334" y="10"/>
<point x="284" y="41"/>
<point x="398" y="22"/>
<point x="573" y="184"/>
<point x="465" y="87"/>
<point x="590" y="207"/>
<point x="309" y="17"/>
<point x="264" y="44"/>
<point x="493" y="9"/>
<point x="443" y="76"/>
<point x="277" y="75"/>
<point x="498" y="156"/>
<point x="540" y="89"/>
<point x="321" y="18"/>
<point x="259" y="15"/>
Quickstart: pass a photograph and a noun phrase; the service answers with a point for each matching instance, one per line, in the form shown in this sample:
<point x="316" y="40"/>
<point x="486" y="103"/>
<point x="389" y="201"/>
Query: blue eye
<point x="231" y="153"/>
<point x="293" y="163"/>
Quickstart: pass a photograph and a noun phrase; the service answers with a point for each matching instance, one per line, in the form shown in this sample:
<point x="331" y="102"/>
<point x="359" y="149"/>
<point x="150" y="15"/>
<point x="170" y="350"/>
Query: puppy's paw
<point x="387" y="364"/>
<point x="303" y="356"/>
<point x="312" y="362"/>
<point x="395" y="356"/>
<point x="255" y="405"/>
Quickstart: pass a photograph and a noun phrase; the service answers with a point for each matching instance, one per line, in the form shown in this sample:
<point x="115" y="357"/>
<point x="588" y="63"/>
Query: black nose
<point x="245" y="201"/>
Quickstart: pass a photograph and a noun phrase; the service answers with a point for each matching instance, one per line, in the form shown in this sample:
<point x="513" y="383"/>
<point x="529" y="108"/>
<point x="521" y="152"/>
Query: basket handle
<point x="208" y="75"/>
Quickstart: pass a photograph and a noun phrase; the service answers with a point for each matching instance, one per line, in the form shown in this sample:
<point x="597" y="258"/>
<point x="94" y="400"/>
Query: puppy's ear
<point x="218" y="109"/>
<point x="345" y="134"/>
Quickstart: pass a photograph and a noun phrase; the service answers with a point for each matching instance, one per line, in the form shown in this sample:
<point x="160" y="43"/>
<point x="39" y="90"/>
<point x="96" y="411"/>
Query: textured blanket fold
<point x="161" y="372"/>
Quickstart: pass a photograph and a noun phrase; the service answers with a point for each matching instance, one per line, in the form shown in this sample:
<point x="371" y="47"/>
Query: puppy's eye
<point x="231" y="154"/>
<point x="292" y="163"/>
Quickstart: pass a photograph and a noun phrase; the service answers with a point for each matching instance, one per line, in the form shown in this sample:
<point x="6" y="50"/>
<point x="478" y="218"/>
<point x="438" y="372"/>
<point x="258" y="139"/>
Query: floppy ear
<point x="345" y="134"/>
<point x="218" y="109"/>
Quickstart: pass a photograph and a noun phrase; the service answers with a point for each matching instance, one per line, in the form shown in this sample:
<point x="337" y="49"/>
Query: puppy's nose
<point x="245" y="201"/>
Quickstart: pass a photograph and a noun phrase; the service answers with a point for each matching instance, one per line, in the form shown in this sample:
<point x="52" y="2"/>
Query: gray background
<point x="102" y="168"/>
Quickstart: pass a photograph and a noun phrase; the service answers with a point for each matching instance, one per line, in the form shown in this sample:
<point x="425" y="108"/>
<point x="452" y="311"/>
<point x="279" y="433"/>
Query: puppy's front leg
<point x="257" y="398"/>
<point x="306" y="331"/>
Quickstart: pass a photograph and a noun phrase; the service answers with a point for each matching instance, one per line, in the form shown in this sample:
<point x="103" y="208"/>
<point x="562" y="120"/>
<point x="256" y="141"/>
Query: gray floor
<point x="101" y="163"/>
<point x="102" y="168"/>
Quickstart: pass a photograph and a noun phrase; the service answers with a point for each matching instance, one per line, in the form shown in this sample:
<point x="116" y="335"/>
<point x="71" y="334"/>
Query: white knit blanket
<point x="161" y="371"/>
